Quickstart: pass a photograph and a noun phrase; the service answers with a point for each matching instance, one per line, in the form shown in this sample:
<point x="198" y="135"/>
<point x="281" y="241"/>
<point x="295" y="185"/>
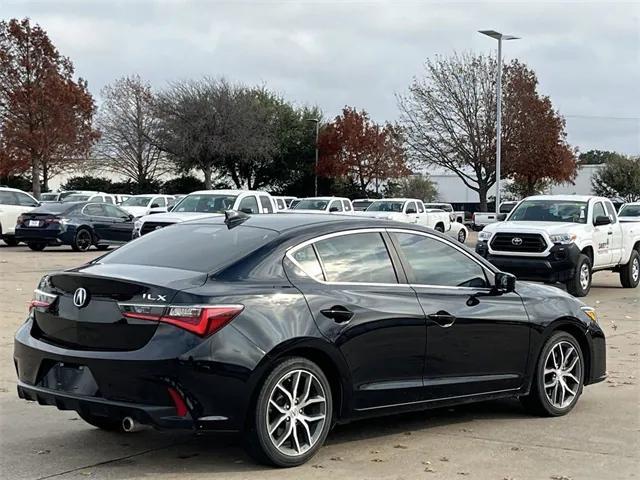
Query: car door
<point x="411" y="211"/>
<point x="362" y="306"/>
<point x="616" y="233"/>
<point x="601" y="237"/>
<point x="100" y="221"/>
<point x="121" y="225"/>
<point x="158" y="205"/>
<point x="477" y="341"/>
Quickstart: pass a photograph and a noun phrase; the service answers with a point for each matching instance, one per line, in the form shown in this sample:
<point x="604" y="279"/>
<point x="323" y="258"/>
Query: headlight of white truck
<point x="484" y="236"/>
<point x="563" y="238"/>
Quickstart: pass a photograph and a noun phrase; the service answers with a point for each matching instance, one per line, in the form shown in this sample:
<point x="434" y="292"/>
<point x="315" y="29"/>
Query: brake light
<point x="203" y="320"/>
<point x="41" y="300"/>
<point x="178" y="402"/>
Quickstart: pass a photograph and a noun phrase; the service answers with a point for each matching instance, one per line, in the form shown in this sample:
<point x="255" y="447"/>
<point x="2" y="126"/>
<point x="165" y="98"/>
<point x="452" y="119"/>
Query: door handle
<point x="338" y="314"/>
<point x="609" y="233"/>
<point x="442" y="318"/>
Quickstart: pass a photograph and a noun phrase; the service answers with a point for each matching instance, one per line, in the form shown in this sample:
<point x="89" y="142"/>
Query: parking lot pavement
<point x="494" y="440"/>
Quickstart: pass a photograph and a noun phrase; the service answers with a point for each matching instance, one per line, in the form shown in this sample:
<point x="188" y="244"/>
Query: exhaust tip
<point x="129" y="425"/>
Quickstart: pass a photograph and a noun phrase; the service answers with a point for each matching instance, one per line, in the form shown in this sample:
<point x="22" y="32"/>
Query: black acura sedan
<point x="78" y="224"/>
<point x="280" y="326"/>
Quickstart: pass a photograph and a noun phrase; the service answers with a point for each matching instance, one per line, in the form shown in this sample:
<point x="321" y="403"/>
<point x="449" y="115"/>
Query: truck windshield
<point x="205" y="203"/>
<point x="311" y="204"/>
<point x="630" y="211"/>
<point x="550" y="211"/>
<point x="385" y="207"/>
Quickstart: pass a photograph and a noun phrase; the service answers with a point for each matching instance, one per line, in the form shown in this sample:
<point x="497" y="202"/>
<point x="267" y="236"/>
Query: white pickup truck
<point x="564" y="238"/>
<point x="479" y="220"/>
<point x="409" y="210"/>
<point x="206" y="203"/>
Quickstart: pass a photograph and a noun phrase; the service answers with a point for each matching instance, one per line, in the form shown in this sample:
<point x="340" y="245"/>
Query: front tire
<point x="559" y="377"/>
<point x="82" y="240"/>
<point x="630" y="273"/>
<point x="580" y="284"/>
<point x="293" y="414"/>
<point x="462" y="236"/>
<point x="36" y="246"/>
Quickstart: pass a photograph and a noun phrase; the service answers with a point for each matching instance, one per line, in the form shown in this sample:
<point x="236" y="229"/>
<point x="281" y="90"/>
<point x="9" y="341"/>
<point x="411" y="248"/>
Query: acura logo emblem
<point x="80" y="297"/>
<point x="517" y="241"/>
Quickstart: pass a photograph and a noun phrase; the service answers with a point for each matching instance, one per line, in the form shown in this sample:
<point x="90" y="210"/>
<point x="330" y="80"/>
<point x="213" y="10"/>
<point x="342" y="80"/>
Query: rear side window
<point x="108" y="200"/>
<point x="336" y="204"/>
<point x="281" y="204"/>
<point x="249" y="204"/>
<point x="420" y="208"/>
<point x="197" y="247"/>
<point x="266" y="204"/>
<point x="358" y="257"/>
<point x="347" y="205"/>
<point x="308" y="261"/>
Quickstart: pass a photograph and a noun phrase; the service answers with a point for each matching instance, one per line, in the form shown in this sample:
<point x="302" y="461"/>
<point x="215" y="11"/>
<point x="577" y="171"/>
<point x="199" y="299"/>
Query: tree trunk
<point x="207" y="176"/>
<point x="45" y="177"/>
<point x="482" y="194"/>
<point x="35" y="177"/>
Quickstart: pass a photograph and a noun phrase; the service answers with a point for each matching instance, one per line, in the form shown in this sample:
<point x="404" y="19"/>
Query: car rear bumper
<point x="50" y="236"/>
<point x="558" y="266"/>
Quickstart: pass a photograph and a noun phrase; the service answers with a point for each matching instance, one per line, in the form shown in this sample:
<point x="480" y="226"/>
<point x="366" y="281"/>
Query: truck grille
<point x="151" y="226"/>
<point x="518" y="242"/>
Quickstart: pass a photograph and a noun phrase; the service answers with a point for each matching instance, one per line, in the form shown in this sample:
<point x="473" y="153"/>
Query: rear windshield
<point x="76" y="197"/>
<point x="55" y="208"/>
<point x="195" y="247"/>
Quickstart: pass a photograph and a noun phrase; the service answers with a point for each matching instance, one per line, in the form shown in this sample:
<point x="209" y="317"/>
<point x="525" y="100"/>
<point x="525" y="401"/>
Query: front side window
<point x="249" y="205"/>
<point x="358" y="257"/>
<point x="433" y="262"/>
<point x="266" y="204"/>
<point x="550" y="211"/>
<point x="160" y="201"/>
<point x="94" y="210"/>
<point x="97" y="198"/>
<point x="336" y="206"/>
<point x="114" y="212"/>
<point x="411" y="207"/>
<point x="598" y="211"/>
<point x="108" y="199"/>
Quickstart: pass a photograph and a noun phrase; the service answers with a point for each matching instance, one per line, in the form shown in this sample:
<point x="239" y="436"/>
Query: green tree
<point x="88" y="182"/>
<point x="619" y="177"/>
<point x="414" y="186"/>
<point x="597" y="157"/>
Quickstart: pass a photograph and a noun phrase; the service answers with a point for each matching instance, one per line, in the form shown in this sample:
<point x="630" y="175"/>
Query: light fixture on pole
<point x="500" y="37"/>
<point x="315" y="181"/>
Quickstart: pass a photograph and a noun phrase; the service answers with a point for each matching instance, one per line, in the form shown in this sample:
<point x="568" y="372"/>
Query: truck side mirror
<point x="411" y="210"/>
<point x="333" y="209"/>
<point x="602" y="220"/>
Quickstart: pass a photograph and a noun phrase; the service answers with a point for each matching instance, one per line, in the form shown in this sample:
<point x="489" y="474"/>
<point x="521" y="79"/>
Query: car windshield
<point x="550" y="211"/>
<point x="205" y="203"/>
<point x="311" y="204"/>
<point x="48" y="197"/>
<point x="76" y="197"/>
<point x="629" y="211"/>
<point x="385" y="207"/>
<point x="136" y="202"/>
<point x="360" y="205"/>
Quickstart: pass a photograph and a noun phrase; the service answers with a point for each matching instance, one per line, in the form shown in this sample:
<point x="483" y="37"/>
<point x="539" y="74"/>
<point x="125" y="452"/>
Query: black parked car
<point x="280" y="326"/>
<point x="79" y="224"/>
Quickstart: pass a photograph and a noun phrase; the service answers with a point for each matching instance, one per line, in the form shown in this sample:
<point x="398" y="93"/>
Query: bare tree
<point x="449" y="119"/>
<point x="126" y="122"/>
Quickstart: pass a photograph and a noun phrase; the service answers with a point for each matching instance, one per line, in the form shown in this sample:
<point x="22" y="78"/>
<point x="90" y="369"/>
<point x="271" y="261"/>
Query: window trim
<point x="401" y="276"/>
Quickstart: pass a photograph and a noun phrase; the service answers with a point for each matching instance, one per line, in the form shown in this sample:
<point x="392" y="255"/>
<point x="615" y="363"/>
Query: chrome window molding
<point x="289" y="254"/>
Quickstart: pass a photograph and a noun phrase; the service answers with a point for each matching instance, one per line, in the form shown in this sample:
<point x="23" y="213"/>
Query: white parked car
<point x="409" y="210"/>
<point x="324" y="205"/>
<point x="458" y="231"/>
<point x="141" y="205"/>
<point x="13" y="203"/>
<point x="629" y="212"/>
<point x="482" y="219"/>
<point x="283" y="202"/>
<point x="456" y="216"/>
<point x="89" y="196"/>
<point x="564" y="238"/>
<point x="206" y="203"/>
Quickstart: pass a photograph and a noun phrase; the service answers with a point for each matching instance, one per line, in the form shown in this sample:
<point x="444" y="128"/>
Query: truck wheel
<point x="630" y="273"/>
<point x="439" y="228"/>
<point x="580" y="284"/>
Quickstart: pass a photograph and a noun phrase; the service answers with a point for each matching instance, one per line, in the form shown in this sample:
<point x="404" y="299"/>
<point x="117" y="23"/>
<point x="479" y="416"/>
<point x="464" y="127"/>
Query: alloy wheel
<point x="584" y="276"/>
<point x="635" y="269"/>
<point x="297" y="412"/>
<point x="83" y="240"/>
<point x="562" y="374"/>
<point x="461" y="236"/>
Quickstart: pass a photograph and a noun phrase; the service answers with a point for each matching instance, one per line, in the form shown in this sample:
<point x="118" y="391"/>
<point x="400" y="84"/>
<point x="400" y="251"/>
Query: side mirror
<point x="411" y="210"/>
<point x="502" y="217"/>
<point x="155" y="205"/>
<point x="333" y="209"/>
<point x="129" y="218"/>
<point x="505" y="282"/>
<point x="602" y="220"/>
<point x="246" y="210"/>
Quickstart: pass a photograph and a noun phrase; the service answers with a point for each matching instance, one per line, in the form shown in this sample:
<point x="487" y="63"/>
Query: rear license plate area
<point x="70" y="378"/>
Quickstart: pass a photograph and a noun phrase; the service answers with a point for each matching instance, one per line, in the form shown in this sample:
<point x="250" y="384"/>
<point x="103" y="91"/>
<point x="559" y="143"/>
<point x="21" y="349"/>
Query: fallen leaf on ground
<point x="400" y="446"/>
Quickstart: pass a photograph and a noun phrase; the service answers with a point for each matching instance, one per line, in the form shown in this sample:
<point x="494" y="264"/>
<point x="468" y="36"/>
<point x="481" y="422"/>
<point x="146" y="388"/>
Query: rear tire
<point x="630" y="273"/>
<point x="10" y="240"/>
<point x="289" y="424"/>
<point x="37" y="246"/>
<point x="102" y="248"/>
<point x="580" y="284"/>
<point x="557" y="391"/>
<point x="109" y="424"/>
<point x="439" y="228"/>
<point x="82" y="240"/>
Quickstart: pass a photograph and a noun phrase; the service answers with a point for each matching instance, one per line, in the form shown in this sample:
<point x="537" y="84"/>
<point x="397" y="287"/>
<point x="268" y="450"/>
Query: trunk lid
<point x="86" y="314"/>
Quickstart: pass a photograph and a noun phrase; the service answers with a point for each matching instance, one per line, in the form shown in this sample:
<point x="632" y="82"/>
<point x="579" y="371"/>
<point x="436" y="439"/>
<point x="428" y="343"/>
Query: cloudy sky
<point x="360" y="52"/>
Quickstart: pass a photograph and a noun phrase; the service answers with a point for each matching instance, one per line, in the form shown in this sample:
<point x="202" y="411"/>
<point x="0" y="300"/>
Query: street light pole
<point x="315" y="181"/>
<point x="498" y="36"/>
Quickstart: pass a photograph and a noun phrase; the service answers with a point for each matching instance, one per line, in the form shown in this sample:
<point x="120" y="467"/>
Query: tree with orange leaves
<point x="355" y="147"/>
<point x="45" y="116"/>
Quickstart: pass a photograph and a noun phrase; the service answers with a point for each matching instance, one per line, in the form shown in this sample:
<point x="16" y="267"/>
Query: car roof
<point x="578" y="198"/>
<point x="229" y="192"/>
<point x="397" y="199"/>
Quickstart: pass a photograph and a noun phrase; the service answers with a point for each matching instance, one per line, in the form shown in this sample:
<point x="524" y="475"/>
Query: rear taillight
<point x="203" y="320"/>
<point x="42" y="300"/>
<point x="20" y="219"/>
